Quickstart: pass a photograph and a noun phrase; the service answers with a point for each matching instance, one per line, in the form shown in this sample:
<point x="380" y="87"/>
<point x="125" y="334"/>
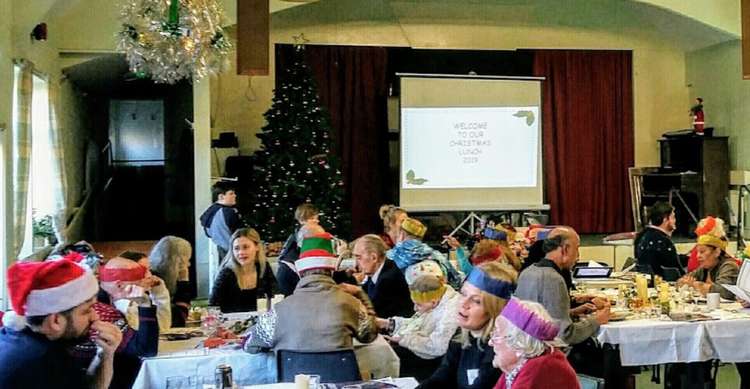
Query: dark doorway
<point x="142" y="174"/>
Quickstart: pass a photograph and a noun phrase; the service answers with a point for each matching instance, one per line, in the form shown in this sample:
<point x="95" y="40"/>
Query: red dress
<point x="550" y="370"/>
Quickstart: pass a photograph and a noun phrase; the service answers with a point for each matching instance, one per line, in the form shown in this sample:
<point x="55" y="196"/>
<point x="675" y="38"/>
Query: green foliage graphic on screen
<point x="411" y="178"/>
<point x="526" y="114"/>
<point x="296" y="162"/>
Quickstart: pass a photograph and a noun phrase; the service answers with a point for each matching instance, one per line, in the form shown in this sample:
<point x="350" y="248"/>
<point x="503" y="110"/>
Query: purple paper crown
<point x="495" y="287"/>
<point x="528" y="321"/>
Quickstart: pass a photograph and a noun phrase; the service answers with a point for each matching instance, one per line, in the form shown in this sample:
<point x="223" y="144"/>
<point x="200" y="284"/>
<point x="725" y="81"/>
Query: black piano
<point x="694" y="174"/>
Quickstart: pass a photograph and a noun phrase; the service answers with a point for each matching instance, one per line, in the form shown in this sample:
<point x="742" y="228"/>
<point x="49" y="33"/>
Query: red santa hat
<point x="43" y="288"/>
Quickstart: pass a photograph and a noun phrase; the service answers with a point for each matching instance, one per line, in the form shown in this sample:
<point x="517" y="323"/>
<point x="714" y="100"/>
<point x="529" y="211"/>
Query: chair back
<point x="671" y="273"/>
<point x="331" y="366"/>
<point x="588" y="382"/>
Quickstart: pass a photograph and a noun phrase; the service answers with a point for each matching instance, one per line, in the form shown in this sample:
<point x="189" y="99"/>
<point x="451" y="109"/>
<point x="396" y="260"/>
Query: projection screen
<point x="470" y="143"/>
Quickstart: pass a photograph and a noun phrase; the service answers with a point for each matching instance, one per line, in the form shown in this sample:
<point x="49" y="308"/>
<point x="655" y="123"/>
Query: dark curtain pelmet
<point x="352" y="85"/>
<point x="588" y="137"/>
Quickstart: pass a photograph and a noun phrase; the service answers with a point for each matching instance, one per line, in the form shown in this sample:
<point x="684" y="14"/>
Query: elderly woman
<point x="244" y="274"/>
<point x="708" y="225"/>
<point x="716" y="267"/>
<point x="421" y="340"/>
<point x="523" y="342"/>
<point x="170" y="261"/>
<point x="468" y="362"/>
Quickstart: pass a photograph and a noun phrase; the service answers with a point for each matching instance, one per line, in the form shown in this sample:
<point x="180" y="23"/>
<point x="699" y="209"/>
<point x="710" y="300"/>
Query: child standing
<point x="222" y="218"/>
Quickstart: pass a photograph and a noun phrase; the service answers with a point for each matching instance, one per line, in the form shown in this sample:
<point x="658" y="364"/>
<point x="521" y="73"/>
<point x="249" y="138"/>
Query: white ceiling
<point x="674" y="22"/>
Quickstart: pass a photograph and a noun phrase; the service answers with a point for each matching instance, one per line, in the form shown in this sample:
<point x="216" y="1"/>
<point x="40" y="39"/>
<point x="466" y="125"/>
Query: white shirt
<point x="374" y="277"/>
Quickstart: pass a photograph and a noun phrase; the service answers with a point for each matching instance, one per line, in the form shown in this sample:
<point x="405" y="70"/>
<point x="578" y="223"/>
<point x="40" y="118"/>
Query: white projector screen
<point x="470" y="143"/>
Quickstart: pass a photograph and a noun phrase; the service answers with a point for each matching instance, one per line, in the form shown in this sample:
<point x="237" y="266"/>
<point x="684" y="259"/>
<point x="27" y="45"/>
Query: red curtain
<point x="353" y="87"/>
<point x="587" y="119"/>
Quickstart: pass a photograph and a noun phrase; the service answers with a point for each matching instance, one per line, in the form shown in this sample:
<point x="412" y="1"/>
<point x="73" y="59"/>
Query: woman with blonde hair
<point x="468" y="362"/>
<point x="244" y="275"/>
<point x="392" y="217"/>
<point x="170" y="260"/>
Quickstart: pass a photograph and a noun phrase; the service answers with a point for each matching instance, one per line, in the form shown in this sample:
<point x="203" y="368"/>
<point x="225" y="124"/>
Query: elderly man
<point x="319" y="315"/>
<point x="653" y="246"/>
<point x="543" y="283"/>
<point x="52" y="308"/>
<point x="385" y="284"/>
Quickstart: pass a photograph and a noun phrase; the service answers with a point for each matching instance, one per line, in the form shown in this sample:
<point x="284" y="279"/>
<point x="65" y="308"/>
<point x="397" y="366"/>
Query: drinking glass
<point x="314" y="381"/>
<point x="210" y="320"/>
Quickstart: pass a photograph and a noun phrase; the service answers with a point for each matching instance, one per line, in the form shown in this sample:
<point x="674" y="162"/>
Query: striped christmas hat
<point x="317" y="252"/>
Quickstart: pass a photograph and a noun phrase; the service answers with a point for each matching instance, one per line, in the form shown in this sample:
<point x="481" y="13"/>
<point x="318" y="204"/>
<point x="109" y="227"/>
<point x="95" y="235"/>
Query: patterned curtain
<point x="21" y="147"/>
<point x="58" y="184"/>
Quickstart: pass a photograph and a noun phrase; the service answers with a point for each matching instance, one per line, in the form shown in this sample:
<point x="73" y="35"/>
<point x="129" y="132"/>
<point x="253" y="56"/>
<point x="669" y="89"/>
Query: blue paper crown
<point x="543" y="234"/>
<point x="495" y="287"/>
<point x="491" y="233"/>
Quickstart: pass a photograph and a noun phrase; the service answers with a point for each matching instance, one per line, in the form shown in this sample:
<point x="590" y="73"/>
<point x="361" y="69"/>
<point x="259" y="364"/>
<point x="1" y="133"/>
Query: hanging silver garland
<point x="169" y="40"/>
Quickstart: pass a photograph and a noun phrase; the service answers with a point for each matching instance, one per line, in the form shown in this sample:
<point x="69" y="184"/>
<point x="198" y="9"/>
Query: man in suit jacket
<point x="385" y="283"/>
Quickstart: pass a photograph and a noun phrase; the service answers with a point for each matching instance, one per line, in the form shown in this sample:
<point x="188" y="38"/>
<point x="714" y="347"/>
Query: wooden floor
<point x="111" y="249"/>
<point x="726" y="379"/>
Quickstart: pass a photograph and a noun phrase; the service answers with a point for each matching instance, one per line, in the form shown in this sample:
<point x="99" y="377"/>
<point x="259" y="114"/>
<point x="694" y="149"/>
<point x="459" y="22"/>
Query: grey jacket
<point x="318" y="316"/>
<point x="725" y="272"/>
<point x="547" y="287"/>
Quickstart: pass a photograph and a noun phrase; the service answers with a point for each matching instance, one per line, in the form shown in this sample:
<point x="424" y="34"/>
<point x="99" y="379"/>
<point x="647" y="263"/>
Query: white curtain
<point x="58" y="184"/>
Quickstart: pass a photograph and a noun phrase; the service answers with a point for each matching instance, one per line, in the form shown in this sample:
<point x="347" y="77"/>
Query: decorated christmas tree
<point x="296" y="162"/>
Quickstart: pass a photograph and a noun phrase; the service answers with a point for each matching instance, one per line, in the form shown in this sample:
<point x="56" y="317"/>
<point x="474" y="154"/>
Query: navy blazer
<point x="390" y="295"/>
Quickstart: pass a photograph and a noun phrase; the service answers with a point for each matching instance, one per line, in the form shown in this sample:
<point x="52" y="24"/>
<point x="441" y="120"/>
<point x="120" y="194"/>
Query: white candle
<point x="301" y="381"/>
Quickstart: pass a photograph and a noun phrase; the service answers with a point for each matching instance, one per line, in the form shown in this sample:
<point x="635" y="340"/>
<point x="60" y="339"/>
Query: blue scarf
<point x="409" y="252"/>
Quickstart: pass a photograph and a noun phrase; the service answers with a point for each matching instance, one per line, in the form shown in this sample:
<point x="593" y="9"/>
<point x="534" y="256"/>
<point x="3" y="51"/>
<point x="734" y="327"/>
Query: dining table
<point x="188" y="361"/>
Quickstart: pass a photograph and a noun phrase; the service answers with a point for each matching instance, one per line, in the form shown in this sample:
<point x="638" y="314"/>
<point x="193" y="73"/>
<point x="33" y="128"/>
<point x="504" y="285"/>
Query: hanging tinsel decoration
<point x="168" y="40"/>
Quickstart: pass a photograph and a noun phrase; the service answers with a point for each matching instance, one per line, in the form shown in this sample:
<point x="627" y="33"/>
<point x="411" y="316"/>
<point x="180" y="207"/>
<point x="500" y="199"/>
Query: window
<point x="41" y="200"/>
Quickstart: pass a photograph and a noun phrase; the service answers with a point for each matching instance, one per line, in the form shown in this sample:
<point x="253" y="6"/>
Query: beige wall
<point x="44" y="55"/>
<point x="715" y="73"/>
<point x="661" y="98"/>
<point x="660" y="92"/>
<point x="721" y="14"/>
<point x="74" y="126"/>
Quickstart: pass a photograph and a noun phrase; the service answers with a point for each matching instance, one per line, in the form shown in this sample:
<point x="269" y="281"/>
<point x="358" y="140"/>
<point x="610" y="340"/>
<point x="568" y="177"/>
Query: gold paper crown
<point x="710" y="240"/>
<point x="425" y="297"/>
<point x="414" y="227"/>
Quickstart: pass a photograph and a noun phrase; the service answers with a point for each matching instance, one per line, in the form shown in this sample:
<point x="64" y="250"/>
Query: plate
<point x="618" y="316"/>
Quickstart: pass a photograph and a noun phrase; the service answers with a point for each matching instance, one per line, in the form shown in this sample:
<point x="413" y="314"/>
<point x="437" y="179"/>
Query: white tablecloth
<point x="651" y="342"/>
<point x="402" y="383"/>
<point x="377" y="358"/>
